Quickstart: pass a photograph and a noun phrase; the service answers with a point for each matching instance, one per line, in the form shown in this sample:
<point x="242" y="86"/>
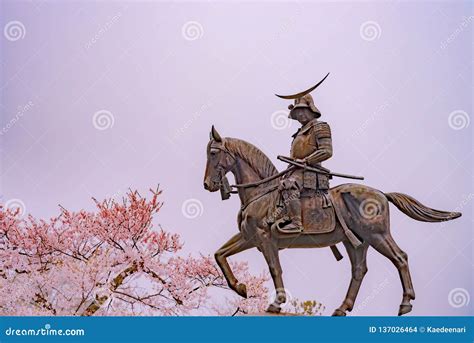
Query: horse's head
<point x="219" y="162"/>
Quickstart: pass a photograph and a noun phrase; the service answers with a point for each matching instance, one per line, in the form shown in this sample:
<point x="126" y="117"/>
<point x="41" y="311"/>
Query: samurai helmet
<point x="304" y="99"/>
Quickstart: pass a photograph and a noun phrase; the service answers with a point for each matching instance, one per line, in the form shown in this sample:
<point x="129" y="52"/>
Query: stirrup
<point x="288" y="229"/>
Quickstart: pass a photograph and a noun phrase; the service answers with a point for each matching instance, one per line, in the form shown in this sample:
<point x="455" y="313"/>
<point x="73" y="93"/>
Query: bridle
<point x="221" y="178"/>
<point x="226" y="188"/>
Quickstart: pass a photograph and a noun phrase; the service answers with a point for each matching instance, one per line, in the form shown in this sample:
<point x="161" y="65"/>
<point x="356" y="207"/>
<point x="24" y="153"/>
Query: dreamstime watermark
<point x="192" y="30"/>
<point x="459" y="297"/>
<point x="14" y="30"/>
<point x="455" y="34"/>
<point x="16" y="205"/>
<point x="377" y="114"/>
<point x="103" y="120"/>
<point x="46" y="331"/>
<point x="21" y="111"/>
<point x="283" y="28"/>
<point x="370" y="30"/>
<point x="370" y="208"/>
<point x="458" y="120"/>
<point x="102" y="30"/>
<point x="279" y="120"/>
<point x="280" y="210"/>
<point x="192" y="208"/>
<point x="194" y="118"/>
<point x="376" y="291"/>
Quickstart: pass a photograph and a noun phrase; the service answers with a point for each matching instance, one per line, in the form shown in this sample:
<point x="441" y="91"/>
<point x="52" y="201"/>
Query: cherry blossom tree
<point x="112" y="261"/>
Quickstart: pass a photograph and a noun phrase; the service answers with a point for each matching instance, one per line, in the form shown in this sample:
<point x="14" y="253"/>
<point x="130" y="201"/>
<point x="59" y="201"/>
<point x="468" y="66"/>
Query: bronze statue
<point x="296" y="208"/>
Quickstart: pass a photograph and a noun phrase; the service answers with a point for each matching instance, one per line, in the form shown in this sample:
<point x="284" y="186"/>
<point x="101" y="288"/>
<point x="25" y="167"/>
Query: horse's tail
<point x="416" y="210"/>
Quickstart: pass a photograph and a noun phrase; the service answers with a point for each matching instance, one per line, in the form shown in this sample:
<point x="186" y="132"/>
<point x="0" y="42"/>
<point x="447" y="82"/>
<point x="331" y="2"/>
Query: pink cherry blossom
<point x="111" y="262"/>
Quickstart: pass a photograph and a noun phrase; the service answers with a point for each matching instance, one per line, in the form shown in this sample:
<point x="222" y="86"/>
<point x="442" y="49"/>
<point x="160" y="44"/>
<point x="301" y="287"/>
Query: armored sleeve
<point x="322" y="133"/>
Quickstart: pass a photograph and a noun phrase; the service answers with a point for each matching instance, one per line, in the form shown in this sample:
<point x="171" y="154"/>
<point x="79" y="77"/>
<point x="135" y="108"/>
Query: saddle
<point x="317" y="213"/>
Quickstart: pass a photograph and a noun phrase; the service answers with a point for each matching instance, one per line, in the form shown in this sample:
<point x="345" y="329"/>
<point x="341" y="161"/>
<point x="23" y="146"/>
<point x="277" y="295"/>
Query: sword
<point x="317" y="170"/>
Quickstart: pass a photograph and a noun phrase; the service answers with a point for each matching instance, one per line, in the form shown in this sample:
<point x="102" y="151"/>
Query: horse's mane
<point x="252" y="155"/>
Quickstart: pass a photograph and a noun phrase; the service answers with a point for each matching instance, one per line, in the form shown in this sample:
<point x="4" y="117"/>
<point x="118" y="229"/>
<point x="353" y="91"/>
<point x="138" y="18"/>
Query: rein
<point x="268" y="179"/>
<point x="258" y="196"/>
<point x="226" y="189"/>
<point x="265" y="191"/>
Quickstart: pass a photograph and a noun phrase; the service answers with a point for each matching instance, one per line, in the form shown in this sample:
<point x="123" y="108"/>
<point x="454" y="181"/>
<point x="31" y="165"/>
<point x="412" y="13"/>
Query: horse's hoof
<point x="242" y="290"/>
<point x="272" y="308"/>
<point x="404" y="309"/>
<point x="339" y="313"/>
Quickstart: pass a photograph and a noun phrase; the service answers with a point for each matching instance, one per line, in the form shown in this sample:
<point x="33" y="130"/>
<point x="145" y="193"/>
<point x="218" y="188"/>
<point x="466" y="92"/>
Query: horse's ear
<point x="215" y="135"/>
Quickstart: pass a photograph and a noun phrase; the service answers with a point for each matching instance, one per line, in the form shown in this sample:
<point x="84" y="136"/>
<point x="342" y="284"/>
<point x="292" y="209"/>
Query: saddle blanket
<point x="317" y="214"/>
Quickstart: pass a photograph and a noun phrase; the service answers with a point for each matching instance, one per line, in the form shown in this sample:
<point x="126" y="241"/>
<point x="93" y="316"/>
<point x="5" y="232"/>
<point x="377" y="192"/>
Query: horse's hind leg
<point x="399" y="258"/>
<point x="358" y="257"/>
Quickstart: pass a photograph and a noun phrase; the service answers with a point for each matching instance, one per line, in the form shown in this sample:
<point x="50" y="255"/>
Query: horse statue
<point x="363" y="220"/>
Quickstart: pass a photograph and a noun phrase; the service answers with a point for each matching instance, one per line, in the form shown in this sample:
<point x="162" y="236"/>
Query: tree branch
<point x="116" y="283"/>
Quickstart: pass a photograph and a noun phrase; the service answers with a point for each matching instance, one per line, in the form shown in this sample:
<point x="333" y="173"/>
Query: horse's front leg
<point x="269" y="248"/>
<point x="233" y="246"/>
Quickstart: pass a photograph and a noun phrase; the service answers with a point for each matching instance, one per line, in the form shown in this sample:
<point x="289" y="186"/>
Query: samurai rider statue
<point x="311" y="145"/>
<point x="354" y="214"/>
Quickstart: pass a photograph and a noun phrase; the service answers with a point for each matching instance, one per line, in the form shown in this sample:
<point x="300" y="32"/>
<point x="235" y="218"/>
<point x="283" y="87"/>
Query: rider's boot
<point x="294" y="212"/>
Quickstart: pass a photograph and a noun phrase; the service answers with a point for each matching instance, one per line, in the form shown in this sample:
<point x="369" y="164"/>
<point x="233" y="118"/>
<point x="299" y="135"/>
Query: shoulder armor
<point x="323" y="130"/>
